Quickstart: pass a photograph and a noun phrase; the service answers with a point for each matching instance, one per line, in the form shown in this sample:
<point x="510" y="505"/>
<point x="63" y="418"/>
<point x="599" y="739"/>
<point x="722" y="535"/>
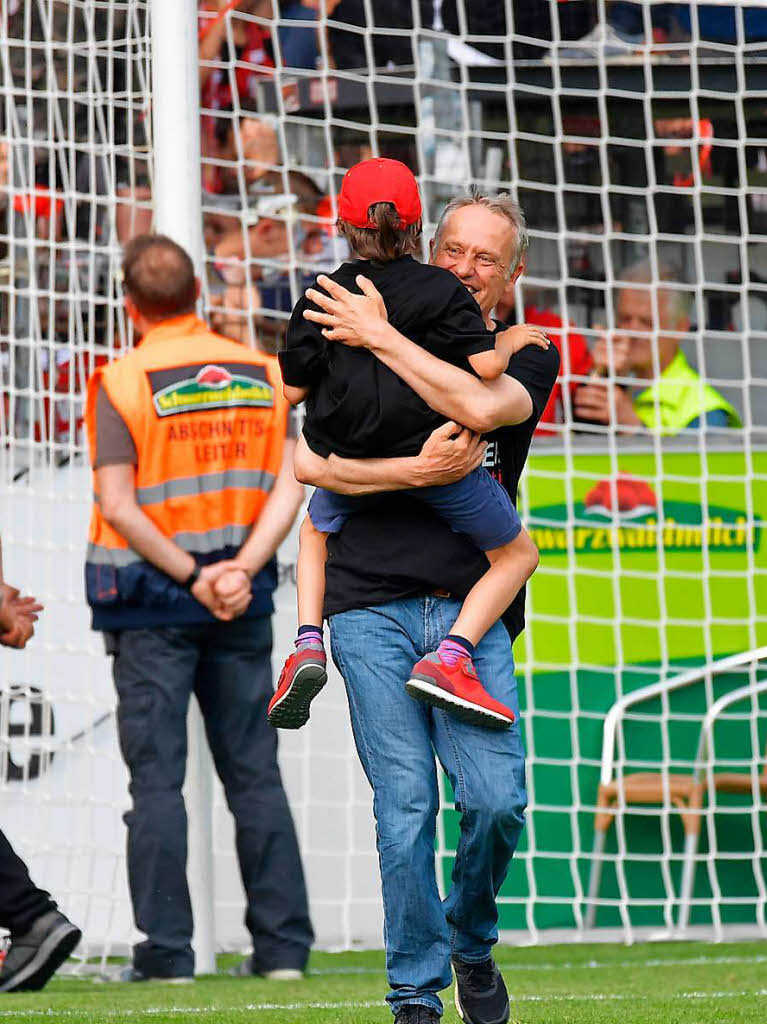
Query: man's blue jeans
<point x="375" y="649"/>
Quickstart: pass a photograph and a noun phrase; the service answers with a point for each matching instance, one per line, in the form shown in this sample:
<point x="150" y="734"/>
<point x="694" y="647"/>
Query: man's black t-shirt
<point x="357" y="406"/>
<point x="400" y="548"/>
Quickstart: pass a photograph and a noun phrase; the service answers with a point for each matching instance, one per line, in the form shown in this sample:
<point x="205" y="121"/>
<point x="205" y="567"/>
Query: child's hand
<point x="516" y="338"/>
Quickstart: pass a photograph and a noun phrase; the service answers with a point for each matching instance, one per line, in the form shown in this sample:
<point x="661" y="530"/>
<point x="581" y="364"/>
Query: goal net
<point x="635" y="138"/>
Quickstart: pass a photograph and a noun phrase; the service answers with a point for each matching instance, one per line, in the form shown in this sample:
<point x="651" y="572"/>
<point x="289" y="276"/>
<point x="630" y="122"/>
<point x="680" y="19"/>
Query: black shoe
<point x="416" y="1014"/>
<point x="480" y="992"/>
<point x="34" y="957"/>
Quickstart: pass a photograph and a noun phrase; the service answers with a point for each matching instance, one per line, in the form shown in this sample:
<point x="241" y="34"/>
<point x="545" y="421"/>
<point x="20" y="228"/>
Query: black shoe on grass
<point x="480" y="992"/>
<point x="34" y="957"/>
<point x="416" y="1014"/>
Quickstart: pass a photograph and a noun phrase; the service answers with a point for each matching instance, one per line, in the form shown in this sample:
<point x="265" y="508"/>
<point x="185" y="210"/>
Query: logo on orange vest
<point x="213" y="387"/>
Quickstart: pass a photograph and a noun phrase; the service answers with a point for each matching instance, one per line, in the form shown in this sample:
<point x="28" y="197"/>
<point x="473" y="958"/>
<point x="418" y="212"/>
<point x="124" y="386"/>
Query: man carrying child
<point x="395" y="579"/>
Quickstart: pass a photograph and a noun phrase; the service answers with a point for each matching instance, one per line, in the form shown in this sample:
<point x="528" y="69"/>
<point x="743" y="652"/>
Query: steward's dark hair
<point x="159" y="276"/>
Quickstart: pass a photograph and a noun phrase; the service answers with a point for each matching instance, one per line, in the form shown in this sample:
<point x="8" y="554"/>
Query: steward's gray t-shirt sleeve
<point x="114" y="443"/>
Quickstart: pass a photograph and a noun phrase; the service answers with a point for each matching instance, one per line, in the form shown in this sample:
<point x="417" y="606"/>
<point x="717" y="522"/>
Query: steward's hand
<point x="232" y="589"/>
<point x="224" y="589"/>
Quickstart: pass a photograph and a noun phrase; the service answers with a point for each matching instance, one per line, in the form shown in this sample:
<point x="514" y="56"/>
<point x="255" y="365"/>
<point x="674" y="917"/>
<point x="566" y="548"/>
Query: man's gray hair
<point x="677" y="299"/>
<point x="504" y="206"/>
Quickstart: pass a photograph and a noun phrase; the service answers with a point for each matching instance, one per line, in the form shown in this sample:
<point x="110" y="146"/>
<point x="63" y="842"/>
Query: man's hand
<point x="450" y="453"/>
<point x="224" y="589"/>
<point x="231" y="587"/>
<point x="17" y="617"/>
<point x="593" y="402"/>
<point x="611" y="359"/>
<point x="347" y="317"/>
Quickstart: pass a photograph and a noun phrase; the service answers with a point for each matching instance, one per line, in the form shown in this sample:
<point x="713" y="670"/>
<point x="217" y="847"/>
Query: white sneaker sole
<point x="430" y="693"/>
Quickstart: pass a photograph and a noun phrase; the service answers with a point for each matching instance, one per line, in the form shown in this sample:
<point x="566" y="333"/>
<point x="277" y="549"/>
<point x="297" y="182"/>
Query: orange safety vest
<point x="208" y="419"/>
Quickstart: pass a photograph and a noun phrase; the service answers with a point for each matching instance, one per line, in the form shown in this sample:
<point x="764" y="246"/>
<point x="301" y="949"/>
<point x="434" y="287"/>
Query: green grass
<point x="663" y="983"/>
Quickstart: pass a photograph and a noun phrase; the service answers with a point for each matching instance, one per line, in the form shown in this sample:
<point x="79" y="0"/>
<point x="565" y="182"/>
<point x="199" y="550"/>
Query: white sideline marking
<point x="586" y="965"/>
<point x="153" y="1011"/>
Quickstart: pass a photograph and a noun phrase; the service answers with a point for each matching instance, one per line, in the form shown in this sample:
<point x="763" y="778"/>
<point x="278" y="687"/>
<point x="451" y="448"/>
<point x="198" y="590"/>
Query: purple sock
<point x="454" y="648"/>
<point x="309" y="636"/>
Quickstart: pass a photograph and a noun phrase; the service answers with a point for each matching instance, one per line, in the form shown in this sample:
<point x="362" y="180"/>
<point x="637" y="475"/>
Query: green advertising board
<point x="651" y="561"/>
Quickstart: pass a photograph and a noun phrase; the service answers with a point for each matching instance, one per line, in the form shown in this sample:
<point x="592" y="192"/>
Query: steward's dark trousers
<point x="227" y="665"/>
<point x="21" y="902"/>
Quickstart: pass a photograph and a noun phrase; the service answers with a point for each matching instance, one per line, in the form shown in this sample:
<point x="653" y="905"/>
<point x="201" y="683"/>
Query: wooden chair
<point x="712" y="782"/>
<point x="684" y="793"/>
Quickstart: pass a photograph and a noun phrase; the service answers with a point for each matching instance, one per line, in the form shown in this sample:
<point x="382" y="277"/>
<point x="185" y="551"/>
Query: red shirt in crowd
<point x="576" y="362"/>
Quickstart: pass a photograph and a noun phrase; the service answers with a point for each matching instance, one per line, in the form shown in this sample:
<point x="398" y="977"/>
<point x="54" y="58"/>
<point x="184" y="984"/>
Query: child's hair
<point x="386" y="241"/>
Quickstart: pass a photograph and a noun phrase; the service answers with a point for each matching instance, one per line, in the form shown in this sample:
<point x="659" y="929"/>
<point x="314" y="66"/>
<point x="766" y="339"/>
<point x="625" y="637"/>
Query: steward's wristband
<point x="192" y="578"/>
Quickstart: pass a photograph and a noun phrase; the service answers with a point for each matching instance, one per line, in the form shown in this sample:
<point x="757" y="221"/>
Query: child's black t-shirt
<point x="357" y="406"/>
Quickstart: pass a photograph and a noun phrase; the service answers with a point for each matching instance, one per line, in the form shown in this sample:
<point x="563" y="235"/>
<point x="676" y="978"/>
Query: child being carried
<point x="358" y="408"/>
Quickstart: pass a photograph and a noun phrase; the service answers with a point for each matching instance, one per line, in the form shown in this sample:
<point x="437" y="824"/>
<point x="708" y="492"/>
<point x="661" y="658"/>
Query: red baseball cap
<point x="379" y="181"/>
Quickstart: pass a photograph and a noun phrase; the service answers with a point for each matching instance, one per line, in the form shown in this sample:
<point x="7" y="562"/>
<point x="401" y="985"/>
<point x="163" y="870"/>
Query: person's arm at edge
<point x="447" y="455"/>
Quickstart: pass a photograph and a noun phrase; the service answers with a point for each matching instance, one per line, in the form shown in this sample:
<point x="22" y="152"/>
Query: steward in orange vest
<point x="194" y="491"/>
<point x="208" y="421"/>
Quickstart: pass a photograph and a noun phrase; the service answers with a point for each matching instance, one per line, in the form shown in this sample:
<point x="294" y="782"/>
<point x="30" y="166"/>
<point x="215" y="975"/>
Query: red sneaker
<point x="302" y="677"/>
<point x="457" y="689"/>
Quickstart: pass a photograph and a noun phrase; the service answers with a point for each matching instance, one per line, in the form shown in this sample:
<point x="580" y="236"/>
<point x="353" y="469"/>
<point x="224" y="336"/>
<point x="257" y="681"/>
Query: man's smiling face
<point x="477" y="246"/>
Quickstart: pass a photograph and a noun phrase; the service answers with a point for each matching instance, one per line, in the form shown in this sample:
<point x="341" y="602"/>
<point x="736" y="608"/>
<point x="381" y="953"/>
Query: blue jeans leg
<point x="375" y="649"/>
<point x="234" y="686"/>
<point x="487" y="771"/>
<point x="154" y="673"/>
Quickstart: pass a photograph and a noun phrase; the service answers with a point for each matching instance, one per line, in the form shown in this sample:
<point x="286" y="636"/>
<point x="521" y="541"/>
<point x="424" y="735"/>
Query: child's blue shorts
<point x="478" y="506"/>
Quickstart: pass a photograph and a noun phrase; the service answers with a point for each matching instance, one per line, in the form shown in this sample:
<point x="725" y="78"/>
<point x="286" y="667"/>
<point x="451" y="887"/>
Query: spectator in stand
<point x="305" y="211"/>
<point x="675" y="400"/>
<point x="714" y="22"/>
<point x="348" y="49"/>
<point x="41" y="937"/>
<point x="299" y="47"/>
<point x="247" y="147"/>
<point x="235" y="313"/>
<point x="243" y="48"/>
<point x="575" y="358"/>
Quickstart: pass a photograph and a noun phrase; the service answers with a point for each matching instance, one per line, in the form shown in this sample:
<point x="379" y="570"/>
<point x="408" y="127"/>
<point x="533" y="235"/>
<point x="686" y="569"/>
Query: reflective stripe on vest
<point x="183" y="487"/>
<point x="679" y="397"/>
<point x="195" y="543"/>
<point x="208" y="420"/>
